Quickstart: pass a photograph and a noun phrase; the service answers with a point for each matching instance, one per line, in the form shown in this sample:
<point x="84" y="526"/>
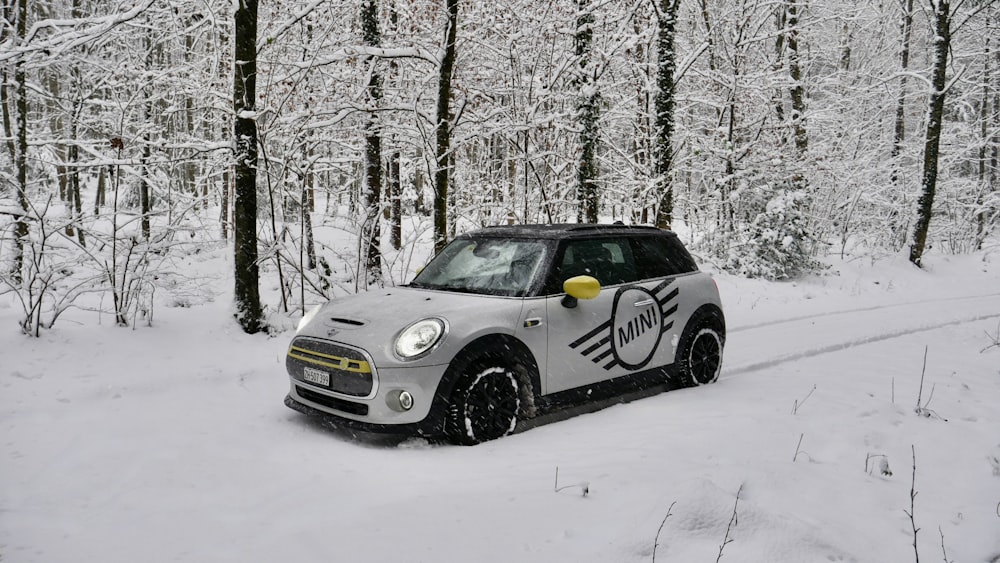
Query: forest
<point x="769" y="133"/>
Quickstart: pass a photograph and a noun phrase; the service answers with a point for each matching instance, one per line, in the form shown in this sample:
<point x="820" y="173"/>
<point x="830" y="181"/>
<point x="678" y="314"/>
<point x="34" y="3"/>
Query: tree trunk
<point x="443" y="132"/>
<point x="147" y="141"/>
<point x="994" y="139"/>
<point x="589" y="113"/>
<point x="102" y="190"/>
<point x="8" y="130"/>
<point x="395" y="201"/>
<point x="144" y="158"/>
<point x="307" y="229"/>
<point x="75" y="203"/>
<point x="248" y="310"/>
<point x="21" y="160"/>
<point x="984" y="139"/>
<point x="900" y="132"/>
<point x="73" y="150"/>
<point x="665" y="68"/>
<point x="942" y="41"/>
<point x="371" y="231"/>
<point x="795" y="72"/>
<point x="224" y="204"/>
<point x="420" y="206"/>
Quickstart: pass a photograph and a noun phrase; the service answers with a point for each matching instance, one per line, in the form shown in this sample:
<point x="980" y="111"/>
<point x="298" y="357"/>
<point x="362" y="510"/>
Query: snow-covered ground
<point x="171" y="443"/>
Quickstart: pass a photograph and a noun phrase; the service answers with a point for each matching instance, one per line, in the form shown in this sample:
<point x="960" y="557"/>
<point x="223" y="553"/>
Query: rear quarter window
<point x="662" y="256"/>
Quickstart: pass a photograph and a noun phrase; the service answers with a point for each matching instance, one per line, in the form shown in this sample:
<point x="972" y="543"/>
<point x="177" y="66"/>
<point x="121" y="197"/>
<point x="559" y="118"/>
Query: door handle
<point x="644" y="303"/>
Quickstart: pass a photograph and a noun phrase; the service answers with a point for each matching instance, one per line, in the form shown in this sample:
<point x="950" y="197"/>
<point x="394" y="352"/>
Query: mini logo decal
<point x="630" y="338"/>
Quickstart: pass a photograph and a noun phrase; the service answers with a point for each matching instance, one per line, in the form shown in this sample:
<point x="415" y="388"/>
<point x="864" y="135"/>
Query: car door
<point x="628" y="328"/>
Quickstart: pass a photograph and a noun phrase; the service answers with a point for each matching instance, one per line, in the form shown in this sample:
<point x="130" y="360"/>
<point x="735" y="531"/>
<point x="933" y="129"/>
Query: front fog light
<point x="406" y="400"/>
<point x="399" y="400"/>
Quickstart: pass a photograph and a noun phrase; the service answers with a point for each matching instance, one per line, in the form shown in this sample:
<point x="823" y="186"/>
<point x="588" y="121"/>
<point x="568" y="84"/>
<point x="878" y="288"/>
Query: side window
<point x="662" y="256"/>
<point x="609" y="260"/>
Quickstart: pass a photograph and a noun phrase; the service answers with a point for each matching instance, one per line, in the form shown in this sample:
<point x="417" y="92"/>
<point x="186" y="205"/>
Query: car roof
<point x="566" y="230"/>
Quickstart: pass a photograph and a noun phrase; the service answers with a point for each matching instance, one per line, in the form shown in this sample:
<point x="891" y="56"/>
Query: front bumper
<point x="423" y="384"/>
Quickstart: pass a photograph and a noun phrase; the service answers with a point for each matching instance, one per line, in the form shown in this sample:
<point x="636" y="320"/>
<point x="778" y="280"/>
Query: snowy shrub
<point x="777" y="243"/>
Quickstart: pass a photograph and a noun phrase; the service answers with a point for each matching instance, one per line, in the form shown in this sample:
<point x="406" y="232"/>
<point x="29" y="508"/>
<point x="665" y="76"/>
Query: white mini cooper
<point x="507" y="323"/>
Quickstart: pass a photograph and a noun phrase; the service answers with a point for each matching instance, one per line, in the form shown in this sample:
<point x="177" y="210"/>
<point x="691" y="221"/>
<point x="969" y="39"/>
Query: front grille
<point x="332" y="402"/>
<point x="349" y="369"/>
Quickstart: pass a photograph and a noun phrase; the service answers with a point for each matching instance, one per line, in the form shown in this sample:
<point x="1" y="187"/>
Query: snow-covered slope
<point x="171" y="443"/>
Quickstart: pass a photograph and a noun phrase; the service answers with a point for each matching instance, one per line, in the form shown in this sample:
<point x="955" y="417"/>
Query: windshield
<point x="494" y="266"/>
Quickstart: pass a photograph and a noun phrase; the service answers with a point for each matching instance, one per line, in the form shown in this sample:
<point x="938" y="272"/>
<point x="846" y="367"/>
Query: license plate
<point x="316" y="376"/>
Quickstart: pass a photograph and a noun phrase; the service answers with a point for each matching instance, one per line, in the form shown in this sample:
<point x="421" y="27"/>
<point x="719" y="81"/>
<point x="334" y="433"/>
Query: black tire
<point x="483" y="405"/>
<point x="700" y="351"/>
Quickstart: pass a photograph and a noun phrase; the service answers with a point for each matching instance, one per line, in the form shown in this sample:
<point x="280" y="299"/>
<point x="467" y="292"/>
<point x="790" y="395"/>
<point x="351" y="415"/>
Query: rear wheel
<point x="483" y="405"/>
<point x="700" y="352"/>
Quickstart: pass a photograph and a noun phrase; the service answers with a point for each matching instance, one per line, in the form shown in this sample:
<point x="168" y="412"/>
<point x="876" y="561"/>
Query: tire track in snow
<point x="809" y="353"/>
<point x="731" y="330"/>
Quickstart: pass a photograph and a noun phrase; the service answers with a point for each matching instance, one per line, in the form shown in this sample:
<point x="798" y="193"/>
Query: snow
<point x="171" y="443"/>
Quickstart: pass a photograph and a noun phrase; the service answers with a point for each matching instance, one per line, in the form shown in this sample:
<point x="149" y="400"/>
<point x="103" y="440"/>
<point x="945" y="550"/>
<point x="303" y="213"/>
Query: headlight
<point x="307" y="318"/>
<point x="419" y="338"/>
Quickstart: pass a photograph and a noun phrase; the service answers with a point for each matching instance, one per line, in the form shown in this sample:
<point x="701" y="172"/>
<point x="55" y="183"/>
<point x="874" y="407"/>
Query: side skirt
<point x="598" y="396"/>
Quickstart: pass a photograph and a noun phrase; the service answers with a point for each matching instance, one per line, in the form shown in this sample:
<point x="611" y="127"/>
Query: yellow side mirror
<point x="580" y="287"/>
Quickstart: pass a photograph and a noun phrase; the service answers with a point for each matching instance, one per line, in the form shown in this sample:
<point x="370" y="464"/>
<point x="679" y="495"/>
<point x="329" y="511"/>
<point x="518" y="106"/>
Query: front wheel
<point x="700" y="353"/>
<point x="484" y="405"/>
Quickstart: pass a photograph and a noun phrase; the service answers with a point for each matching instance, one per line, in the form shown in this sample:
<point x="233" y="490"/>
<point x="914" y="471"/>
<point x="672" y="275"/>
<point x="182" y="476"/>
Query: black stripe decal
<point x="668" y="297"/>
<point x="600" y="343"/>
<point x="663" y="285"/>
<point x="668" y="326"/>
<point x="604" y="326"/>
<point x="611" y="364"/>
<point x="605" y="354"/>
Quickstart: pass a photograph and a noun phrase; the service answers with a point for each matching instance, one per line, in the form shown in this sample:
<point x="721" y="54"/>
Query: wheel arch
<point x="504" y="348"/>
<point x="709" y="311"/>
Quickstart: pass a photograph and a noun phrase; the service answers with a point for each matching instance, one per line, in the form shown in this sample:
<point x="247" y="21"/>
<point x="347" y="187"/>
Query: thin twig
<point x="732" y="522"/>
<point x="923" y="370"/>
<point x="584" y="486"/>
<point x="797" y="403"/>
<point x="994" y="338"/>
<point x="943" y="550"/>
<point x="656" y="540"/>
<point x="913" y="495"/>
<point x="929" y="397"/>
<point x="797" y="447"/>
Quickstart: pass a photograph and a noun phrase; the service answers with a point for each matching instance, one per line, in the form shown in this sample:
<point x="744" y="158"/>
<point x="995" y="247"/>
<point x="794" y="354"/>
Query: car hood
<point x="371" y="320"/>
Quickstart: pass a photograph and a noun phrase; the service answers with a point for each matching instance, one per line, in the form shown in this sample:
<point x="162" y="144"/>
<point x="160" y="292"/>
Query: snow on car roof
<point x="564" y="230"/>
